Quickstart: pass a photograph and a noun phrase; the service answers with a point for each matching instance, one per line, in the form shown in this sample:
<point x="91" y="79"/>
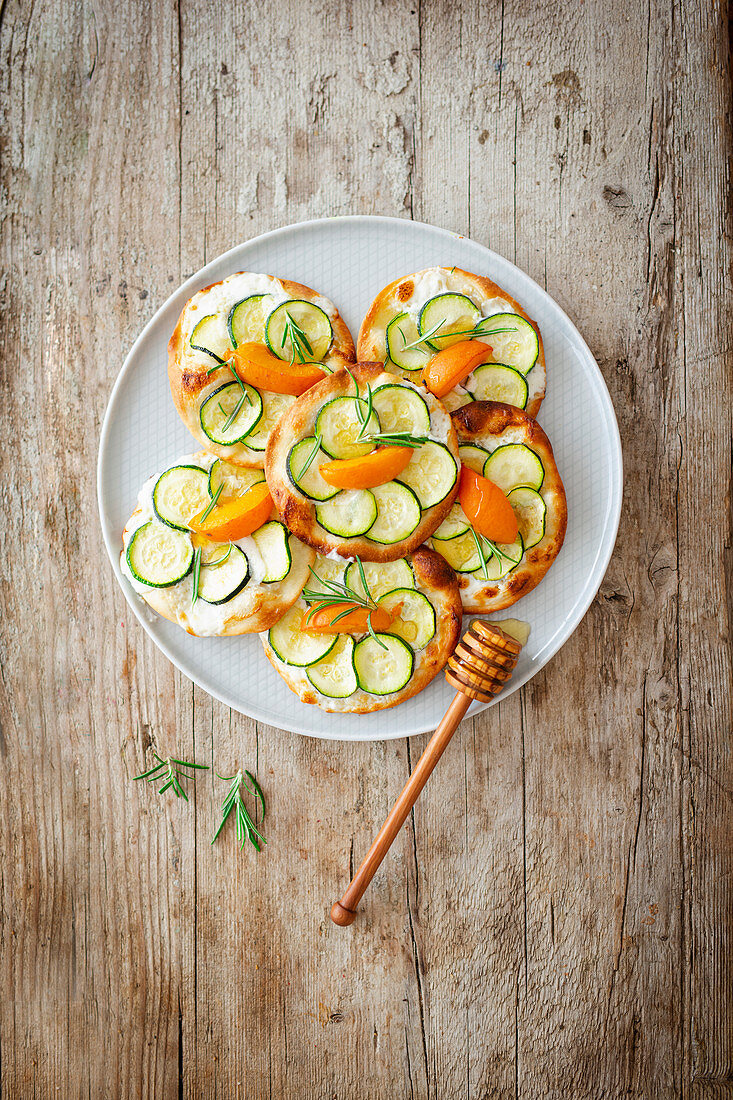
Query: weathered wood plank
<point x="554" y="918"/>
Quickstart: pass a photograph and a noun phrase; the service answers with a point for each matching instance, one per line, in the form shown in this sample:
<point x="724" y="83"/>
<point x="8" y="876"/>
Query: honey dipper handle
<point x="344" y="911"/>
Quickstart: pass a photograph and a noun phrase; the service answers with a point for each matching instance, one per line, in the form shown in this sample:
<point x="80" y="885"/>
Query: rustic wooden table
<point x="556" y="918"/>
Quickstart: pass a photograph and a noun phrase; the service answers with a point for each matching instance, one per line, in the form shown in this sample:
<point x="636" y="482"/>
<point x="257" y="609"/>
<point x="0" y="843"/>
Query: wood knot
<point x="483" y="661"/>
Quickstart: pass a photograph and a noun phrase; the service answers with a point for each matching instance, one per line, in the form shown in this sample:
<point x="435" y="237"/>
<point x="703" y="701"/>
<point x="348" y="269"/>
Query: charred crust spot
<point x="405" y="290"/>
<point x="520" y="583"/>
<point x="490" y="417"/>
<point x="192" y="381"/>
<point x="432" y="569"/>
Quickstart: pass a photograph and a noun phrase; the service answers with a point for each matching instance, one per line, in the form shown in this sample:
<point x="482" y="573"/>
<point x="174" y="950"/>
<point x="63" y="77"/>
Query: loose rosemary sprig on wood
<point x="169" y="769"/>
<point x="246" y="828"/>
<point x="340" y="592"/>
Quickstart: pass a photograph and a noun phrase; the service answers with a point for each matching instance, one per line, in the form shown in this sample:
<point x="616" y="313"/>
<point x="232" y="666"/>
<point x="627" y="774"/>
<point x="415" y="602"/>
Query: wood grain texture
<point x="555" y="919"/>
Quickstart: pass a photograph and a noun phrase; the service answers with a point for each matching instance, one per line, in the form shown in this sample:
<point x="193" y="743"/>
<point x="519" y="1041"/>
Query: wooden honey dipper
<point x="479" y="667"/>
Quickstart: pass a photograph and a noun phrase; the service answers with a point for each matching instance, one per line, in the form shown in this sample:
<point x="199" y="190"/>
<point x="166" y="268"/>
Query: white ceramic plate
<point x="350" y="259"/>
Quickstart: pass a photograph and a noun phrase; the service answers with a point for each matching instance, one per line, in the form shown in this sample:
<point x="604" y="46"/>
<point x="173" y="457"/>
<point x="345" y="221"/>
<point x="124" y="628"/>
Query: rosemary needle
<point x="169" y="770"/>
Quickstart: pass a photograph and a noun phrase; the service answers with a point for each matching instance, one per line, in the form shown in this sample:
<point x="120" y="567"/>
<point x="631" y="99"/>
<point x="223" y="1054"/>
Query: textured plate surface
<point x="350" y="259"/>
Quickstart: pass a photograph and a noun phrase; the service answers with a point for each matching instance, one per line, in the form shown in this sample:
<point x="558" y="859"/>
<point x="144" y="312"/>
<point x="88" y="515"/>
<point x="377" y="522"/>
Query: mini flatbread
<point x="428" y="589"/>
<point x="258" y="603"/>
<point x="232" y="311"/>
<point x="379" y="524"/>
<point x="518" y="384"/>
<point x="510" y="449"/>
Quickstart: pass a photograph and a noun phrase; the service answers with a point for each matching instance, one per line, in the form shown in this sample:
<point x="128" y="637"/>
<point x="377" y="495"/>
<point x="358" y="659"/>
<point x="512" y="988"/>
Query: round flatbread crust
<point x="257" y="607"/>
<point x="436" y="580"/>
<point x="299" y="512"/>
<point x="490" y="424"/>
<point x="187" y="369"/>
<point x="371" y="343"/>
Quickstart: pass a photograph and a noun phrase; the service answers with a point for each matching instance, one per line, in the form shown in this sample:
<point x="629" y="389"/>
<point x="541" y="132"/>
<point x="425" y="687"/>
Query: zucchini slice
<point x="224" y="572"/>
<point x="334" y="675"/>
<point x="431" y="473"/>
<point x="309" y="480"/>
<point x="180" y="494"/>
<point x="313" y="323"/>
<point x="246" y="320"/>
<point x="402" y="330"/>
<point x="383" y="671"/>
<point x="531" y="511"/>
<point x="235" y="480"/>
<point x="454" y="313"/>
<point x="398" y="513"/>
<point x="159" y="556"/>
<point x="518" y="348"/>
<point x="211" y="337"/>
<point x="460" y="553"/>
<point x="472" y="456"/>
<point x="400" y="409"/>
<point x="498" y="565"/>
<point x="325" y="569"/>
<point x="381" y="577"/>
<point x="498" y="382"/>
<point x="416" y="622"/>
<point x="339" y="426"/>
<point x="513" y="465"/>
<point x="273" y="406"/>
<point x="271" y="539"/>
<point x="218" y="408"/>
<point x="293" y="646"/>
<point x="456" y="399"/>
<point x="350" y="513"/>
<point x="454" y="524"/>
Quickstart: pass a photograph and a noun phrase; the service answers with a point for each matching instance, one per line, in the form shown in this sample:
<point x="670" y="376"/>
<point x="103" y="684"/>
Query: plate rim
<point x="612" y="518"/>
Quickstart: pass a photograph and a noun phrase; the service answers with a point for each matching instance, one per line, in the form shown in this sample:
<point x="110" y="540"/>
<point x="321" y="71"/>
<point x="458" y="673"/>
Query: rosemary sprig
<point x="341" y="592"/>
<point x="365" y="416"/>
<point x="169" y="769"/>
<point x="425" y="336"/>
<point x="476" y="331"/>
<point x="229" y="364"/>
<point x="299" y="342"/>
<point x="245" y="397"/>
<point x="196" y="575"/>
<point x="311" y="457"/>
<point x="482" y="543"/>
<point x="212" y="504"/>
<point x="246" y="828"/>
<point x="398" y="439"/>
<point x="480" y="552"/>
